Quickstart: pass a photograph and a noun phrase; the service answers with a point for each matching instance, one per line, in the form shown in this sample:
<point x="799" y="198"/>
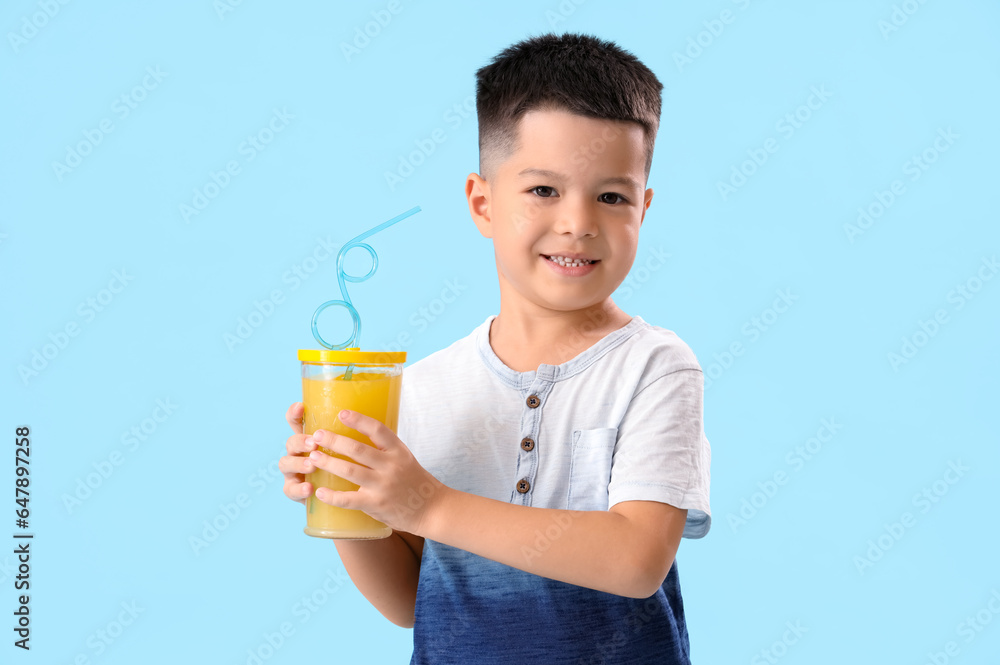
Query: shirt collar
<point x="580" y="362"/>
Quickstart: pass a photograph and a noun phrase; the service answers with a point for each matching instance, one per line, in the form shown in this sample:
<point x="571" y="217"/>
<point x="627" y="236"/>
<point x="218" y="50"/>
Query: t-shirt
<point x="621" y="421"/>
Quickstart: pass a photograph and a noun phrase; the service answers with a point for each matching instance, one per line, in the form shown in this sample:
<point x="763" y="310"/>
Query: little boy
<point x="546" y="465"/>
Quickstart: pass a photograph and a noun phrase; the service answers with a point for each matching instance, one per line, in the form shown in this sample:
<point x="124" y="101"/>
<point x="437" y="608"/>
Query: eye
<point x="543" y="187"/>
<point x="623" y="199"/>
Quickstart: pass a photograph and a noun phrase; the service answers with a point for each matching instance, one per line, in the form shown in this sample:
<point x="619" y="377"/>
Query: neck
<point x="523" y="340"/>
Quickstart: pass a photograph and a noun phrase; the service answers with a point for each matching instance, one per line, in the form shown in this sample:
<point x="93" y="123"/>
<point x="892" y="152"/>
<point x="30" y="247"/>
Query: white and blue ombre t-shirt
<point x="621" y="421"/>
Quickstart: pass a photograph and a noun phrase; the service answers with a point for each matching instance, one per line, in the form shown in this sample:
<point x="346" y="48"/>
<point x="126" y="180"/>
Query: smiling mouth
<point x="570" y="262"/>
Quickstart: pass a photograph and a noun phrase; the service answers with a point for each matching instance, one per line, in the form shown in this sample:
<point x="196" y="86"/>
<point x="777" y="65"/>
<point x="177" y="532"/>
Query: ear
<point x="477" y="191"/>
<point x="645" y="205"/>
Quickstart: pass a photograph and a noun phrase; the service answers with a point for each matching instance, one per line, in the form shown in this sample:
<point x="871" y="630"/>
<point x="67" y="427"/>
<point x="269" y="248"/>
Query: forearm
<point x="600" y="550"/>
<point x="386" y="572"/>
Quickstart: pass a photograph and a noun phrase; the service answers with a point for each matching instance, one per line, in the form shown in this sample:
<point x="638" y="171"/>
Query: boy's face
<point x="574" y="209"/>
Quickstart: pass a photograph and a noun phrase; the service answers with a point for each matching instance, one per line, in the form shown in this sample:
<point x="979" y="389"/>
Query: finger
<point x="358" y="451"/>
<point x="298" y="444"/>
<point x="383" y="437"/>
<point x="293" y="465"/>
<point x="297" y="491"/>
<point x="355" y="473"/>
<point x="294" y="416"/>
<point x="340" y="498"/>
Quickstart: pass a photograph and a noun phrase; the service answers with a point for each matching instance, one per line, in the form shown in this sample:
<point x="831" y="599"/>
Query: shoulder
<point x="443" y="362"/>
<point x="435" y="383"/>
<point x="661" y="350"/>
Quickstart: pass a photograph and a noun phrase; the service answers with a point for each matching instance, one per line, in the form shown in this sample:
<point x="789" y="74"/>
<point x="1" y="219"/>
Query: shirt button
<point x="533" y="401"/>
<point x="523" y="485"/>
<point x="527" y="444"/>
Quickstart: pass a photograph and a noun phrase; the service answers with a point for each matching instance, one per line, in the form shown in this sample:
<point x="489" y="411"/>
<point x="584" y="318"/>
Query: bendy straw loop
<point x="352" y="341"/>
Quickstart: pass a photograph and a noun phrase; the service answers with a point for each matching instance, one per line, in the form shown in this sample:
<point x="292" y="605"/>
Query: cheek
<point x="626" y="259"/>
<point x="525" y="218"/>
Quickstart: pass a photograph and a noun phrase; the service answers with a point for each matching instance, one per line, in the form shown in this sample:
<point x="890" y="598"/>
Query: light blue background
<point x="163" y="336"/>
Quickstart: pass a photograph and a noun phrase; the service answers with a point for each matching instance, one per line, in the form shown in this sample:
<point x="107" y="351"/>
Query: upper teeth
<point x="563" y="261"/>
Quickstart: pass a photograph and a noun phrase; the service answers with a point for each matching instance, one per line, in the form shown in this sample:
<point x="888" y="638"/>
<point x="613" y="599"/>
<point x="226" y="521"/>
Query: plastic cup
<point x="367" y="382"/>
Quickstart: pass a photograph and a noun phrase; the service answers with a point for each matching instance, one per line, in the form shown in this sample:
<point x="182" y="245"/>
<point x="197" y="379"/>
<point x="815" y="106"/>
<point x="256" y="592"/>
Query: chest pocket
<point x="590" y="468"/>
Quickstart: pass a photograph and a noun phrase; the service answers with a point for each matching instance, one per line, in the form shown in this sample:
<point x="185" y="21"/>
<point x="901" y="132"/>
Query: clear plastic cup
<point x="367" y="382"/>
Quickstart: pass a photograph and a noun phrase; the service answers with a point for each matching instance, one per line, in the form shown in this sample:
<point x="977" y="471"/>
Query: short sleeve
<point x="661" y="453"/>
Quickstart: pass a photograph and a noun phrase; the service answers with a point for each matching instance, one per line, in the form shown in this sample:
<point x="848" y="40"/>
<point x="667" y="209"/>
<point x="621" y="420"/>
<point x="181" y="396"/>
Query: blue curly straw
<point x="352" y="341"/>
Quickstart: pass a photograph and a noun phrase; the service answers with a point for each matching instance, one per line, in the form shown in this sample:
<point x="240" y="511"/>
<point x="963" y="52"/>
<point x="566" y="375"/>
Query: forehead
<point x="562" y="142"/>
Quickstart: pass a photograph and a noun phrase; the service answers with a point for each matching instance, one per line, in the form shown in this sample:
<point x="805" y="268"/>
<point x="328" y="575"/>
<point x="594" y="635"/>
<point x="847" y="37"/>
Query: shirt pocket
<point x="590" y="468"/>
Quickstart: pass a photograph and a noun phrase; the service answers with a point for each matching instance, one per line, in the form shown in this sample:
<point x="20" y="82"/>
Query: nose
<point x="577" y="217"/>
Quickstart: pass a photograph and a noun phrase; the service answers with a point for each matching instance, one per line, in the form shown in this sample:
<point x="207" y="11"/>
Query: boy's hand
<point x="392" y="486"/>
<point x="295" y="465"/>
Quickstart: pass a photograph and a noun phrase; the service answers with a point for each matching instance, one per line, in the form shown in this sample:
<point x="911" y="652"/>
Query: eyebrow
<point x="616" y="180"/>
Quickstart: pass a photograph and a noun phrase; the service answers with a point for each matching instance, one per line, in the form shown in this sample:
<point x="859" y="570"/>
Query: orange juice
<point x="374" y="394"/>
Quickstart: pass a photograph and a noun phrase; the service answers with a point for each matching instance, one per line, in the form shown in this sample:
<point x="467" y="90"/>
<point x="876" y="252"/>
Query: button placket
<point x="528" y="454"/>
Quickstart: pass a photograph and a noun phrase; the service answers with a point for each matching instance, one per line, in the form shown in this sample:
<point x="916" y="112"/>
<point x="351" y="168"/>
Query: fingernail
<point x="345" y="414"/>
<point x="315" y="454"/>
<point x="318" y="435"/>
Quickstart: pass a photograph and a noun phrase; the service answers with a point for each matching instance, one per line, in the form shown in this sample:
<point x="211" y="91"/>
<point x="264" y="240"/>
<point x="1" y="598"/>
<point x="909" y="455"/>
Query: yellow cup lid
<point x="352" y="355"/>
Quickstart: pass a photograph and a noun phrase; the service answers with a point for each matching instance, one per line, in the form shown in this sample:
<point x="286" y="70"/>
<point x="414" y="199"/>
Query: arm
<point x="627" y="550"/>
<point x="386" y="572"/>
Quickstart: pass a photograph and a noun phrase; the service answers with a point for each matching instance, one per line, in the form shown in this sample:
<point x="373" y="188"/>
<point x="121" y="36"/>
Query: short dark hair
<point x="580" y="73"/>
